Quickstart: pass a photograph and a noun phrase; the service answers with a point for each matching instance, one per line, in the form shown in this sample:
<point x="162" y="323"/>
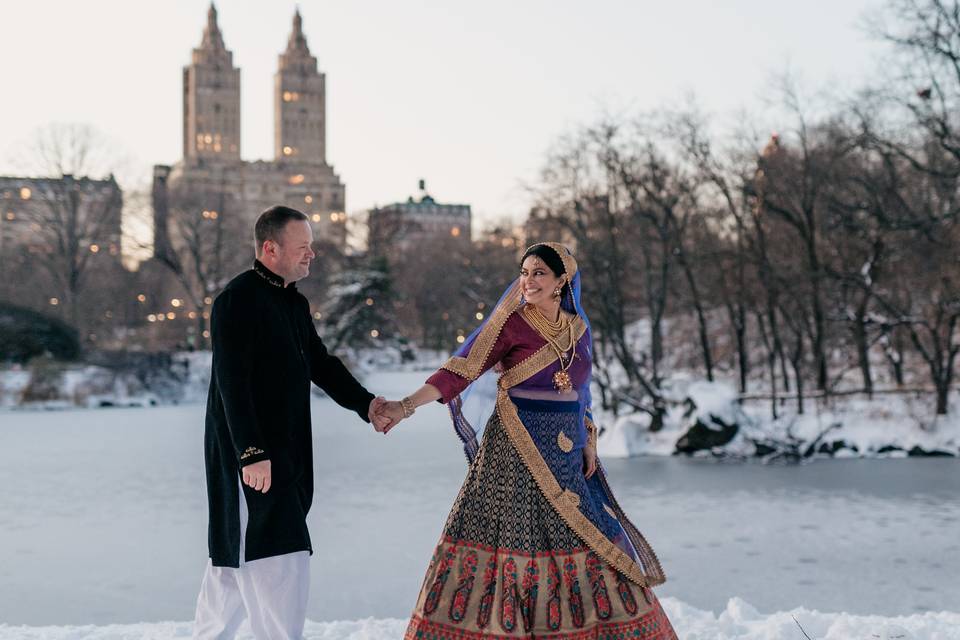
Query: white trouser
<point x="272" y="592"/>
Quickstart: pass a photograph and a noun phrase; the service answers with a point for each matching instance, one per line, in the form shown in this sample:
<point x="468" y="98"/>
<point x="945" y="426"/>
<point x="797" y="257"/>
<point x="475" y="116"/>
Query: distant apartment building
<point x="41" y="216"/>
<point x="211" y="180"/>
<point x="404" y="226"/>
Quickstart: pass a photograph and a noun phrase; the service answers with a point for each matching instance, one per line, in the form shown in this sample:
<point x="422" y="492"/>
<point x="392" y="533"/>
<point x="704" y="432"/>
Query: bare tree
<point x="207" y="234"/>
<point x="73" y="210"/>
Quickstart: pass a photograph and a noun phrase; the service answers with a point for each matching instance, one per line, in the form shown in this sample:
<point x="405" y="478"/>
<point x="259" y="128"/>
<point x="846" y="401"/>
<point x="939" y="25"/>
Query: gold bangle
<point x="408" y="407"/>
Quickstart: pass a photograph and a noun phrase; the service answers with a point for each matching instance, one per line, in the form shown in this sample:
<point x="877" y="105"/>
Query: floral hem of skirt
<point x="652" y="625"/>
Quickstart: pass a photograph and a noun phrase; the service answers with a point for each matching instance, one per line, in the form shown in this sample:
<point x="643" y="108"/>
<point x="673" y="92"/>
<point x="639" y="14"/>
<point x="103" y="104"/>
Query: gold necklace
<point x="551" y="332"/>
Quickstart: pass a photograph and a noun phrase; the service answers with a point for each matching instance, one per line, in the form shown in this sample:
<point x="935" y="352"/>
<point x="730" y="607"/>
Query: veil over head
<point x="473" y="407"/>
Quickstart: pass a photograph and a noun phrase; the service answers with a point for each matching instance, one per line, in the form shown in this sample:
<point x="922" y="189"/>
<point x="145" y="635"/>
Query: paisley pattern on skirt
<point x="508" y="566"/>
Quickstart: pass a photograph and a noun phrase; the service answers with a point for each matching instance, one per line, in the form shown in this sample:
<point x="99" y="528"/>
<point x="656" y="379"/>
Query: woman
<point x="535" y="545"/>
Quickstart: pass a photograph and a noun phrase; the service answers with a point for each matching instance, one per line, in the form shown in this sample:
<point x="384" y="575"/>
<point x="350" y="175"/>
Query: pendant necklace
<point x="553" y="333"/>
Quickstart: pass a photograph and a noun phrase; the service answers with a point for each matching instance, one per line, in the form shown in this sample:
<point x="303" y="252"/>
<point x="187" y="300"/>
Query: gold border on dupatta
<point x="564" y="501"/>
<point x="471" y="366"/>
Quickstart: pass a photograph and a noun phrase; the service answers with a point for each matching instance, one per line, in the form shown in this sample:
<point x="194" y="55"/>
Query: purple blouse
<point x="516" y="342"/>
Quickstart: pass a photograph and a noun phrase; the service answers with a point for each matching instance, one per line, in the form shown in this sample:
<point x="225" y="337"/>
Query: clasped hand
<point x="386" y="415"/>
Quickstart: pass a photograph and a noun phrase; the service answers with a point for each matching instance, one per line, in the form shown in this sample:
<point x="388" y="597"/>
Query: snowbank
<point x="892" y="425"/>
<point x="739" y="621"/>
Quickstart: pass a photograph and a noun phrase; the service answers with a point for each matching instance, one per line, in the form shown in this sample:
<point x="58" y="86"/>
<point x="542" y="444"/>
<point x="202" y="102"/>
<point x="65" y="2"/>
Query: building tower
<point x="299" y="103"/>
<point x="211" y="99"/>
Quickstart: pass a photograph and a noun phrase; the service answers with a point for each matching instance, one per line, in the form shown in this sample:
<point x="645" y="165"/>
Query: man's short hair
<point x="271" y="223"/>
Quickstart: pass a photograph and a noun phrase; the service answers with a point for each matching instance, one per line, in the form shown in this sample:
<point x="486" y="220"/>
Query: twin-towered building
<point x="212" y="180"/>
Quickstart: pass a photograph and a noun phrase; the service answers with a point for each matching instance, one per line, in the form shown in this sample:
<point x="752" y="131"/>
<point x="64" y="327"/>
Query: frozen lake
<point x="103" y="520"/>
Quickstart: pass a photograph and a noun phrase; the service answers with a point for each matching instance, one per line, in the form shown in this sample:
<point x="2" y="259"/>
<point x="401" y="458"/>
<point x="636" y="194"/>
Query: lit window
<point x="297" y="179"/>
<point x="25" y="193"/>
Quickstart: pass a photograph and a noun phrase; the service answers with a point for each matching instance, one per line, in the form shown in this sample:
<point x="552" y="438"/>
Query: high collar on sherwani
<point x="261" y="270"/>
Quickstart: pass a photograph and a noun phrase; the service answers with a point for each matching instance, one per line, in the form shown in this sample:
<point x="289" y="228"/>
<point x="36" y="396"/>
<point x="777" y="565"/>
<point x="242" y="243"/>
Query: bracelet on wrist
<point x="408" y="407"/>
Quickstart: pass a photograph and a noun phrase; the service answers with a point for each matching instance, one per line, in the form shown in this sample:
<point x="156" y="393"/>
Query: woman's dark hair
<point x="551" y="258"/>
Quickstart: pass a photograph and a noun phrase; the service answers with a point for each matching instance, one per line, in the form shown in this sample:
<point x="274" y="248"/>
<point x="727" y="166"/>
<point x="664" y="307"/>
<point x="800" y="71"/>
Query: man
<point x="258" y="443"/>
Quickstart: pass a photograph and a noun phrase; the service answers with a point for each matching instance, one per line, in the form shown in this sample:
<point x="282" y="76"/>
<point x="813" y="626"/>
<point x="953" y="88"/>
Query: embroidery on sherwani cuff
<point x="564" y="505"/>
<point x="250" y="452"/>
<point x="471" y="366"/>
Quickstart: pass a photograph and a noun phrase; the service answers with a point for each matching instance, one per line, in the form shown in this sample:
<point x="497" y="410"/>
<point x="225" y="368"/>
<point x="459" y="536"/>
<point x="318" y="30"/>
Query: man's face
<point x="293" y="252"/>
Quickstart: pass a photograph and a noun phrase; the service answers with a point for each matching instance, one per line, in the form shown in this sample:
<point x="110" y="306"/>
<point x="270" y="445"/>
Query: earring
<point x="556" y="292"/>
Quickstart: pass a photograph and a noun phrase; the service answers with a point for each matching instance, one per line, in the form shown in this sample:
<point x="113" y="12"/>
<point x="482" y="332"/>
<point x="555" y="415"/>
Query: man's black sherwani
<point x="266" y="352"/>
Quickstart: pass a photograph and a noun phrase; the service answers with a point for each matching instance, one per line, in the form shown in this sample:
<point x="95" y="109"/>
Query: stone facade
<point x="32" y="211"/>
<point x="403" y="226"/>
<point x="211" y="180"/>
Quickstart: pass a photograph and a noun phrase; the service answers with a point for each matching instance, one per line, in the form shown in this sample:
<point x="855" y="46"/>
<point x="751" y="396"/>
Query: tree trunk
<point x="863" y="348"/>
<point x="771" y="365"/>
<point x="797" y="361"/>
<point x="701" y="317"/>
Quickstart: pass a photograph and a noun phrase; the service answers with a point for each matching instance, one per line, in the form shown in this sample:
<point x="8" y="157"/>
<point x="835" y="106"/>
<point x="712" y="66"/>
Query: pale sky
<point x="468" y="95"/>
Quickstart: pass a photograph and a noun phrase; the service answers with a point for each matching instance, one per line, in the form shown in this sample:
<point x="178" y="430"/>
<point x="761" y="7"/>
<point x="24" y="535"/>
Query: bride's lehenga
<point x="532" y="548"/>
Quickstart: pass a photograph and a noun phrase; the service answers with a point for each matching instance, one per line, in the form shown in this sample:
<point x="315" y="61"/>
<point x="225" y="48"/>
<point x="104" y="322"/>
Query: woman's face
<point x="537" y="281"/>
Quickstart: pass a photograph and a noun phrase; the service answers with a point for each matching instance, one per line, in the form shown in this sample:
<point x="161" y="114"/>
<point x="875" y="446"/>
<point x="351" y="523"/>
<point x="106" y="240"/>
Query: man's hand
<point x="380" y="421"/>
<point x="257" y="476"/>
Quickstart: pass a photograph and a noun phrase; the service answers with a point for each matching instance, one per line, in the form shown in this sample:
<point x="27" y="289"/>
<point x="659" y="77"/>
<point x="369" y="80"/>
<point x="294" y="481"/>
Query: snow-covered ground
<point x="738" y="621"/>
<point x="103" y="522"/>
<point x="889" y="425"/>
